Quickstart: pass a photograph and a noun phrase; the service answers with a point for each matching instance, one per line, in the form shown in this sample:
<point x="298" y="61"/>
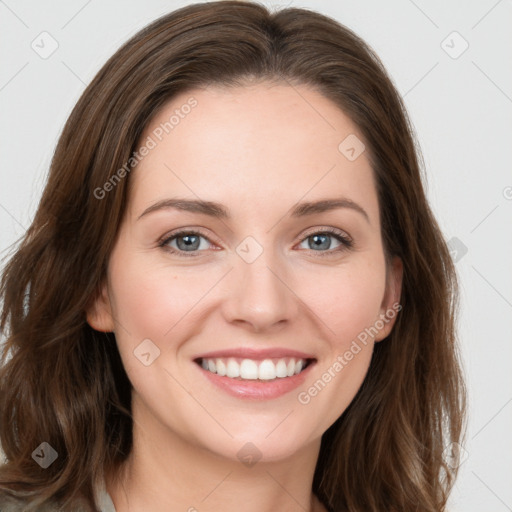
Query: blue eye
<point x="188" y="243"/>
<point x="322" y="240"/>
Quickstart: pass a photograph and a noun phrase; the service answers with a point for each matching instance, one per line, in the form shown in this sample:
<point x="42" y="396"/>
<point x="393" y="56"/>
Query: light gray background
<point x="461" y="109"/>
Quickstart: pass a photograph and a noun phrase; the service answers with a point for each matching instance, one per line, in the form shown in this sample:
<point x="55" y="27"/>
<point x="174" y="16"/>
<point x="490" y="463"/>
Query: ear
<point x="391" y="302"/>
<point x="99" y="313"/>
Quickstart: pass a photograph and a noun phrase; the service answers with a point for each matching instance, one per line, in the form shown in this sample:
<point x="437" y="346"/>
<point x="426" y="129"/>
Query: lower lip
<point x="257" y="389"/>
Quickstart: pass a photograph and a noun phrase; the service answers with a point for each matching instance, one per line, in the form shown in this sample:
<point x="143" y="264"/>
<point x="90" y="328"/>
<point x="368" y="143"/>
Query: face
<point x="273" y="280"/>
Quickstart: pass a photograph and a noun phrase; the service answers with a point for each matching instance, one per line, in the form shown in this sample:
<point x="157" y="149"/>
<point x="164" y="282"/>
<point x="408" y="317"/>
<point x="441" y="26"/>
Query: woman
<point x="234" y="292"/>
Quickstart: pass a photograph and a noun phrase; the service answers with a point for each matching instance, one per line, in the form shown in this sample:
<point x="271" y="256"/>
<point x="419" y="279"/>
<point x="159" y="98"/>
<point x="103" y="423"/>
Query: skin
<point x="258" y="150"/>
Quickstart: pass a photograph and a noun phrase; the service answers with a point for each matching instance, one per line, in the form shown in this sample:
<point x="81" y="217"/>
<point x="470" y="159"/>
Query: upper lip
<point x="255" y="353"/>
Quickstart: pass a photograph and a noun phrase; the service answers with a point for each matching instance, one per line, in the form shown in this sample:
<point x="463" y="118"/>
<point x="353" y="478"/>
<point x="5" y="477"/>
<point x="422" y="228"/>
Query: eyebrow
<point x="219" y="211"/>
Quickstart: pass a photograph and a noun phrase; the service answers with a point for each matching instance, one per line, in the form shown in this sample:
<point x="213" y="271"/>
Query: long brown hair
<point x="63" y="383"/>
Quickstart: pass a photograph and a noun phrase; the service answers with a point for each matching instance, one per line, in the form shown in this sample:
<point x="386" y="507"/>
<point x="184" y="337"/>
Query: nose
<point x="259" y="295"/>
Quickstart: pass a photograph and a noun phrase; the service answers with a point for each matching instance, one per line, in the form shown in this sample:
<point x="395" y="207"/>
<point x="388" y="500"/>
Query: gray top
<point x="10" y="504"/>
<point x="104" y="500"/>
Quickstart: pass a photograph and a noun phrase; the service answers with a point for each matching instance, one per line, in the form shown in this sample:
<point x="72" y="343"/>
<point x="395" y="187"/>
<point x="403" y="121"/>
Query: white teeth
<point x="290" y="368"/>
<point x="250" y="369"/>
<point x="221" y="367"/>
<point x="267" y="370"/>
<point x="233" y="369"/>
<point x="281" y="370"/>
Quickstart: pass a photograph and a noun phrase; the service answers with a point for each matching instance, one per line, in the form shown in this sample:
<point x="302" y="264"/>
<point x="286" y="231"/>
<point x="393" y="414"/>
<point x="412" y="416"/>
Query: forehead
<point x="253" y="145"/>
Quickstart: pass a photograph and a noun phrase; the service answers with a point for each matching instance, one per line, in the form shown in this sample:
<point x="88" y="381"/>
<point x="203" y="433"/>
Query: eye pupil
<point x="323" y="244"/>
<point x="190" y="242"/>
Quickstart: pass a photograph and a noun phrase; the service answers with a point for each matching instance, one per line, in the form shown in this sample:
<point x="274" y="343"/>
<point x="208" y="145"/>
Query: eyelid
<point x="162" y="241"/>
<point x="328" y="230"/>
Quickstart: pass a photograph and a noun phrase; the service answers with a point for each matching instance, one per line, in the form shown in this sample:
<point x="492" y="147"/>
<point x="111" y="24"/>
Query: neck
<point x="166" y="472"/>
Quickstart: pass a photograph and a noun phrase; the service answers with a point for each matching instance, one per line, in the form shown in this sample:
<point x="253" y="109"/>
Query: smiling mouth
<point x="244" y="369"/>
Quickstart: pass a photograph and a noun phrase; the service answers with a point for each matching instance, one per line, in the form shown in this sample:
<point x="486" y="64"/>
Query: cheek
<point x="348" y="302"/>
<point x="155" y="302"/>
<point x="351" y="307"/>
<point x="150" y="299"/>
<point x="347" y="299"/>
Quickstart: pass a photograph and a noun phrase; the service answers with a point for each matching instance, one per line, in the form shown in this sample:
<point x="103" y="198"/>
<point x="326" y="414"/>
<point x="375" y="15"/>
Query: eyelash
<point x="346" y="242"/>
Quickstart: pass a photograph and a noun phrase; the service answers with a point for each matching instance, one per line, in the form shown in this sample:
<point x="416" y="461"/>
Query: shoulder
<point x="10" y="503"/>
<point x="21" y="503"/>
